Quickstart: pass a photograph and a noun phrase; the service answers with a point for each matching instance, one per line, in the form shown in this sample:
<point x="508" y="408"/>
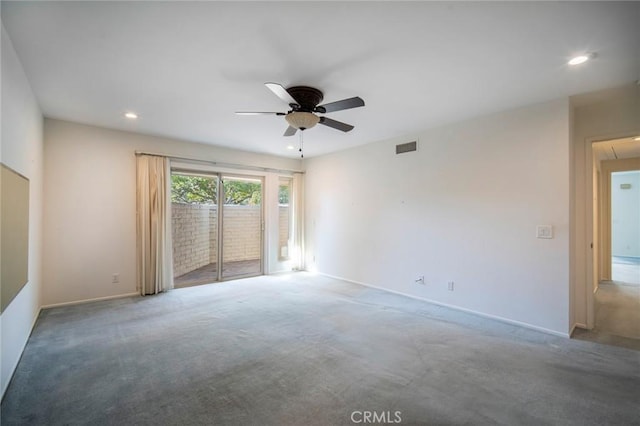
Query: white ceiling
<point x="185" y="67"/>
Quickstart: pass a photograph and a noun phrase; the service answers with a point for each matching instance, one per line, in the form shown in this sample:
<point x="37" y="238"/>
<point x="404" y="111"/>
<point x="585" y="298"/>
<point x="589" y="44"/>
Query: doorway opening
<point x="617" y="236"/>
<point x="242" y="226"/>
<point x="217" y="227"/>
<point x="625" y="227"/>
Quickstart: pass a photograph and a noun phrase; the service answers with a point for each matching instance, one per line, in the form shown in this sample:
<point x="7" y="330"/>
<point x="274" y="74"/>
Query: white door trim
<point x="590" y="278"/>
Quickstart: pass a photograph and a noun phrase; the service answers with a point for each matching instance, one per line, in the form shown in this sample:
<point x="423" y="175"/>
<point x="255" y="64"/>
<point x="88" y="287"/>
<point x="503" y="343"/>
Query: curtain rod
<point x="217" y="163"/>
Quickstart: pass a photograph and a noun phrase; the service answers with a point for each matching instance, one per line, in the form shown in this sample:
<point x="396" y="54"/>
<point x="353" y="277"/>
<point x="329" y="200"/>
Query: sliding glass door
<point x="194" y="220"/>
<point x="216" y="220"/>
<point x="242" y="226"/>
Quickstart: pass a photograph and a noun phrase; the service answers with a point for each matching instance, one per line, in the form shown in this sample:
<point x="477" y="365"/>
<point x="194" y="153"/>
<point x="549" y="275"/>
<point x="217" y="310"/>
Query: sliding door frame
<point x="270" y="262"/>
<point x="221" y="196"/>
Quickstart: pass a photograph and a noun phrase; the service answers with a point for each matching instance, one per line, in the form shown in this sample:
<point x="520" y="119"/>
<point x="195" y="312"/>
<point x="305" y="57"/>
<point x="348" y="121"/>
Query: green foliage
<point x="193" y="189"/>
<point x="283" y="194"/>
<point x="202" y="190"/>
<point x="242" y="193"/>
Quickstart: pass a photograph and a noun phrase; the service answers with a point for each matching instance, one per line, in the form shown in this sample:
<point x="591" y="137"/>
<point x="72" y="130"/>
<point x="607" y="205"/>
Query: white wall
<point x="463" y="208"/>
<point x="597" y="116"/>
<point x="90" y="208"/>
<point x="625" y="214"/>
<point x="21" y="150"/>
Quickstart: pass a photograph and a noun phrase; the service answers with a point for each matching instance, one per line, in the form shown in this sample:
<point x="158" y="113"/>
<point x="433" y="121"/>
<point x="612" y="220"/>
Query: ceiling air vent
<point x="406" y="147"/>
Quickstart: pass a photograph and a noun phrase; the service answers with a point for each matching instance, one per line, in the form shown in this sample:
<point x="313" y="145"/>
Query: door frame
<point x="609" y="167"/>
<point x="592" y="227"/>
<point x="270" y="263"/>
<point x="221" y="207"/>
<point x="220" y="213"/>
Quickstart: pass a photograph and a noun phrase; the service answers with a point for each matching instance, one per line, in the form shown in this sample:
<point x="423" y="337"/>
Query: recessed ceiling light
<point x="131" y="115"/>
<point x="290" y="147"/>
<point x="581" y="59"/>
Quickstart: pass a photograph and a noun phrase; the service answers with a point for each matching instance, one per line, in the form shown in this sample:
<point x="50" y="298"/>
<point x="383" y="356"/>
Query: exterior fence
<point x="195" y="234"/>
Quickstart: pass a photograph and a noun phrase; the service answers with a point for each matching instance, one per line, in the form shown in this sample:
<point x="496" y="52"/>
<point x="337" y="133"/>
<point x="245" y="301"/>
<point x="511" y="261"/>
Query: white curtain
<point x="153" y="225"/>
<point x="298" y="214"/>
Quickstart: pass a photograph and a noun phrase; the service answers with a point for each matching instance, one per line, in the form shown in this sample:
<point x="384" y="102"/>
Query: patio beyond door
<point x="216" y="220"/>
<point x="241" y="227"/>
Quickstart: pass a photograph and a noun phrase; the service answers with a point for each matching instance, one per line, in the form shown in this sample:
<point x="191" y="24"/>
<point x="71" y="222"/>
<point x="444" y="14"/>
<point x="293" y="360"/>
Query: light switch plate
<point x="544" y="231"/>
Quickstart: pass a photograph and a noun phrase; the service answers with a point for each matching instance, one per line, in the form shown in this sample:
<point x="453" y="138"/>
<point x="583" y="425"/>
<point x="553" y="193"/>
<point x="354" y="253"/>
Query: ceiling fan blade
<point x="290" y="131"/>
<point x="281" y="92"/>
<point x="336" y="124"/>
<point x="340" y="105"/>
<point x="259" y="113"/>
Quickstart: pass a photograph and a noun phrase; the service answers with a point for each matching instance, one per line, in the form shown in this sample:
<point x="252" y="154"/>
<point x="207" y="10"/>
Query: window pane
<point x="194" y="219"/>
<point x="284" y="197"/>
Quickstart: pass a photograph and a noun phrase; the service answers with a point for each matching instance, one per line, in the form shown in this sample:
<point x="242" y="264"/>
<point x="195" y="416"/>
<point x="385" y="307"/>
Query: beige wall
<point x="90" y="210"/>
<point x="463" y="208"/>
<point x="597" y="116"/>
<point x="21" y="150"/>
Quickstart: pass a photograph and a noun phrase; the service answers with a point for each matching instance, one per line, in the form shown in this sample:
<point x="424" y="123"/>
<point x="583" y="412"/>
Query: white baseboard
<point x="573" y="328"/>
<point x="96" y="299"/>
<point x="280" y="272"/>
<point x="457" y="308"/>
<point x="578" y="325"/>
<point x="15" y="365"/>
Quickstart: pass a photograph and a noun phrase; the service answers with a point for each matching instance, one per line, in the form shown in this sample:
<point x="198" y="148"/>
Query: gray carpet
<point x="618" y="309"/>
<point x="299" y="349"/>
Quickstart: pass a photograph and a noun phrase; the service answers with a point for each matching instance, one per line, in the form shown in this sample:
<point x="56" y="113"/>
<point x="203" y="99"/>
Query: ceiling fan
<point x="303" y="101"/>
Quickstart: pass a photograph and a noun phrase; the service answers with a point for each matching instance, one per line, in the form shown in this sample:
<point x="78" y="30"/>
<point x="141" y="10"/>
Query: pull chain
<point x="301" y="144"/>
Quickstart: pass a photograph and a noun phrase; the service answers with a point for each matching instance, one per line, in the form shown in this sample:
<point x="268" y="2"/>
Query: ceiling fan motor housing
<point x="308" y="97"/>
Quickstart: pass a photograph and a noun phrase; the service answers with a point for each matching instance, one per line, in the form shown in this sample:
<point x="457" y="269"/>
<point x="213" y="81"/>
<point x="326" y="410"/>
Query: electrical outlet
<point x="115" y="278"/>
<point x="450" y="285"/>
<point x="420" y="280"/>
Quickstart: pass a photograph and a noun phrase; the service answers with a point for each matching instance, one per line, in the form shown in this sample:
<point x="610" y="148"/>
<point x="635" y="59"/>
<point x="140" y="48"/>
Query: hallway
<point x="618" y="309"/>
<point x="625" y="269"/>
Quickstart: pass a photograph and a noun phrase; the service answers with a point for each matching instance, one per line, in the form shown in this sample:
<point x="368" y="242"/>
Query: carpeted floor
<point x="299" y="349"/>
<point x="618" y="309"/>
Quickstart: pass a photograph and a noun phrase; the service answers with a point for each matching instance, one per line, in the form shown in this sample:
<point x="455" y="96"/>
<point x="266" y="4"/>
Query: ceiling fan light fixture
<point x="302" y="120"/>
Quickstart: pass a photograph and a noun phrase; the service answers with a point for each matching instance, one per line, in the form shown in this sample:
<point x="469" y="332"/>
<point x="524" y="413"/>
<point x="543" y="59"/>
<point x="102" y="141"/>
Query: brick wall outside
<point x="241" y="229"/>
<point x="194" y="231"/>
<point x="283" y="220"/>
<point x="190" y="233"/>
